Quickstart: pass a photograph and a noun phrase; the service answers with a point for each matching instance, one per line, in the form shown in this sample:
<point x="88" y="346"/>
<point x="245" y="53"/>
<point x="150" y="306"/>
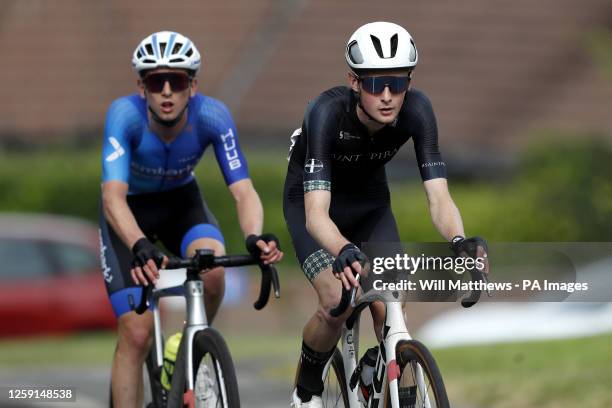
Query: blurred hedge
<point x="562" y="190"/>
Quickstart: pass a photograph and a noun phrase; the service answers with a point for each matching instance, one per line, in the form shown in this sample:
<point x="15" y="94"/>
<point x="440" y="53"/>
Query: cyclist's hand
<point x="348" y="260"/>
<point x="147" y="261"/>
<point x="266" y="247"/>
<point x="474" y="247"/>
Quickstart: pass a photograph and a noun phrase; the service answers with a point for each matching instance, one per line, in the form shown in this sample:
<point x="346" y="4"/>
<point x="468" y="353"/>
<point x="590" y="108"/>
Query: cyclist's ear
<point x="353" y="81"/>
<point x="141" y="87"/>
<point x="194" y="87"/>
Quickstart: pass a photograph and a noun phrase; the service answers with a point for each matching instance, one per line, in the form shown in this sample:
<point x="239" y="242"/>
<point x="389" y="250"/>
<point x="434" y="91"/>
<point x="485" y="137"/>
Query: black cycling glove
<point x="144" y="250"/>
<point x="348" y="254"/>
<point x="468" y="245"/>
<point x="251" y="243"/>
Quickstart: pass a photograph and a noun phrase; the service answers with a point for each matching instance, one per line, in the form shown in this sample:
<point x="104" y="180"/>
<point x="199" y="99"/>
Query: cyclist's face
<point x="167" y="91"/>
<point x="382" y="94"/>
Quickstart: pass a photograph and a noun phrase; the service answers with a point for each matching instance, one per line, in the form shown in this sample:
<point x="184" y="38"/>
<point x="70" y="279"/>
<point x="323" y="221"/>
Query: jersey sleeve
<point x="218" y="124"/>
<point x="319" y="122"/>
<point x="425" y="136"/>
<point x="123" y="122"/>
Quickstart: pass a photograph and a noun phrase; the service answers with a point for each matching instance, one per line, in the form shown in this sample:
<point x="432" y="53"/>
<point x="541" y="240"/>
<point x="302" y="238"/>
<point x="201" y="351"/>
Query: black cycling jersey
<point x="333" y="150"/>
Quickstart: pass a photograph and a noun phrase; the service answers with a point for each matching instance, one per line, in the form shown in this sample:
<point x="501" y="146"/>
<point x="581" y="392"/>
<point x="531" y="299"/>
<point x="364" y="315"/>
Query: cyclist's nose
<point x="386" y="95"/>
<point x="167" y="89"/>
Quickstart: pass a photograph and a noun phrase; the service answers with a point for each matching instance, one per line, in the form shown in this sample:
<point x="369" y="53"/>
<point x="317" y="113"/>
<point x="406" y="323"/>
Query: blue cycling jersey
<point x="133" y="154"/>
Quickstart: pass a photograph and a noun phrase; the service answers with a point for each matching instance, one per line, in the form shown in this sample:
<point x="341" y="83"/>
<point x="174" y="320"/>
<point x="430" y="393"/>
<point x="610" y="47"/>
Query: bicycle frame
<point x="395" y="330"/>
<point x="193" y="292"/>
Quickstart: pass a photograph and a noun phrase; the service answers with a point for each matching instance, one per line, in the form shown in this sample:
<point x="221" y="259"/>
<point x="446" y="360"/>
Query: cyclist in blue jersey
<point x="336" y="193"/>
<point x="153" y="140"/>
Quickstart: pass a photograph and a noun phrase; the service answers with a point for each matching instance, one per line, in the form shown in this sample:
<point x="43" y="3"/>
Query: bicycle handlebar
<point x="472" y="298"/>
<point x="347" y="298"/>
<point x="205" y="259"/>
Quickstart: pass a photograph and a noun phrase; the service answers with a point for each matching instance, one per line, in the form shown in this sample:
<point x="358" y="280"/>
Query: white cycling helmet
<point x="166" y="49"/>
<point x="381" y="45"/>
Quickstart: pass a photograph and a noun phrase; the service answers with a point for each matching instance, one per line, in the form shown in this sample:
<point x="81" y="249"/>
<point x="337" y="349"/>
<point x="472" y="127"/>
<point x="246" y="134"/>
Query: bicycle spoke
<point x="209" y="392"/>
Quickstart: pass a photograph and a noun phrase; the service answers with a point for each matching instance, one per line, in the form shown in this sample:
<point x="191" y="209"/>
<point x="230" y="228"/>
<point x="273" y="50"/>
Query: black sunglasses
<point x="377" y="84"/>
<point x="155" y="82"/>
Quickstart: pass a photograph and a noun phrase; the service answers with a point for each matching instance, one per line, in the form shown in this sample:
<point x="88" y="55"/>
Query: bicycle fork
<point x="193" y="292"/>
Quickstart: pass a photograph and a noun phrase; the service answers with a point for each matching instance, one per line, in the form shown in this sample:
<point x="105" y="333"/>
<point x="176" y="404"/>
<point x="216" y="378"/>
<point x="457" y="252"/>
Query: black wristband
<point x="350" y="245"/>
<point x="251" y="244"/>
<point x="142" y="243"/>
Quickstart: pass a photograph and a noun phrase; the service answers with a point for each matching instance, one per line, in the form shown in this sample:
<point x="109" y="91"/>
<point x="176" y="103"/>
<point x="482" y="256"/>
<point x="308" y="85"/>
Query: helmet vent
<point x="412" y="55"/>
<point x="148" y="61"/>
<point x="354" y="53"/>
<point x="394" y="40"/>
<point x="377" y="45"/>
<point x="176" y="60"/>
<point x="176" y="48"/>
<point x="138" y="54"/>
<point x="189" y="53"/>
<point x="149" y="49"/>
<point x="162" y="48"/>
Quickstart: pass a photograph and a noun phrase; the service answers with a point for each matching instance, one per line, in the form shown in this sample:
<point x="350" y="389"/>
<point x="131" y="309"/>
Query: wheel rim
<point x="209" y="387"/>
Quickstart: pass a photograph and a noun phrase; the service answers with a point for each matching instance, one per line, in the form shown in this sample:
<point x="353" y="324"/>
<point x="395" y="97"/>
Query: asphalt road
<point x="91" y="386"/>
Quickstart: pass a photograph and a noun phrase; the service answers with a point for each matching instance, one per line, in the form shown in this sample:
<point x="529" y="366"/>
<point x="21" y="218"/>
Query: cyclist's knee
<point x="214" y="282"/>
<point x="135" y="332"/>
<point x="327" y="302"/>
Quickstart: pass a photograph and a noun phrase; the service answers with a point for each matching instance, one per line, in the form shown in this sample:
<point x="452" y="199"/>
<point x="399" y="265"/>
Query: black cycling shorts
<point x="359" y="220"/>
<point x="175" y="218"/>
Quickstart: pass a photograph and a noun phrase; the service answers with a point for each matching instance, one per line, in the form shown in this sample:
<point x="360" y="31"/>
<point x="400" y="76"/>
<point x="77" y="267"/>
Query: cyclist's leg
<point x="321" y="332"/>
<point x="193" y="226"/>
<point x="378" y="227"/>
<point x="134" y="331"/>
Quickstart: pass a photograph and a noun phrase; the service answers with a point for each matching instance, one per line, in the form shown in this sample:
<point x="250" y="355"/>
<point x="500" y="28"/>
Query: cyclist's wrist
<point x="140" y="244"/>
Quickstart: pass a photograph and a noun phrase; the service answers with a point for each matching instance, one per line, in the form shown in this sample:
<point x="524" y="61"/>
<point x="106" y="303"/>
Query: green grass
<point x="73" y="350"/>
<point x="559" y="374"/>
<point x="549" y="374"/>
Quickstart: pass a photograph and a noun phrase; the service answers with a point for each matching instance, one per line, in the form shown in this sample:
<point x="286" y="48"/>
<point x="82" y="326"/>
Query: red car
<point x="50" y="277"/>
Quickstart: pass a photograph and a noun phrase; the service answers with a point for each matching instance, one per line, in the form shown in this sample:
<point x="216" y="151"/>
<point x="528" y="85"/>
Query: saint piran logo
<point x="119" y="151"/>
<point x="313" y="166"/>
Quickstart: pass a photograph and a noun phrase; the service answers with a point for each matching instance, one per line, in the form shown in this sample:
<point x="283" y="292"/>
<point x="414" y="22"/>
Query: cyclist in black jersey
<point x="336" y="194"/>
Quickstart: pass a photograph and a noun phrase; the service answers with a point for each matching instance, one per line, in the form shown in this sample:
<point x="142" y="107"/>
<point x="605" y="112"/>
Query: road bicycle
<point x="204" y="374"/>
<point x="405" y="373"/>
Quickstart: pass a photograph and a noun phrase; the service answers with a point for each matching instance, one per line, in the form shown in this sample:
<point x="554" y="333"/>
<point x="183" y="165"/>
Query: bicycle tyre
<point x="158" y="393"/>
<point x="207" y="342"/>
<point x="409" y="354"/>
<point x="330" y="397"/>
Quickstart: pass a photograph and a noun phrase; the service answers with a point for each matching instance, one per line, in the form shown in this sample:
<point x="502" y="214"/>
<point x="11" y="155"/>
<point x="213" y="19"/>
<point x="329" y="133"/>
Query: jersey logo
<point x="313" y="166"/>
<point x="347" y="136"/>
<point x="119" y="151"/>
<point x="231" y="153"/>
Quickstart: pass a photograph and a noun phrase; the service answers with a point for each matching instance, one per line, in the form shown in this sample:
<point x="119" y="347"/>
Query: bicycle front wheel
<point x="335" y="393"/>
<point x="215" y="384"/>
<point x="420" y="383"/>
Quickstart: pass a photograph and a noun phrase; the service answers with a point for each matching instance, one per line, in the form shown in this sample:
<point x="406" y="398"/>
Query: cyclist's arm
<point x="444" y="213"/>
<point x="321" y="227"/>
<point x="318" y="223"/>
<point x="248" y="206"/>
<point x="118" y="214"/>
<point x="122" y="127"/>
